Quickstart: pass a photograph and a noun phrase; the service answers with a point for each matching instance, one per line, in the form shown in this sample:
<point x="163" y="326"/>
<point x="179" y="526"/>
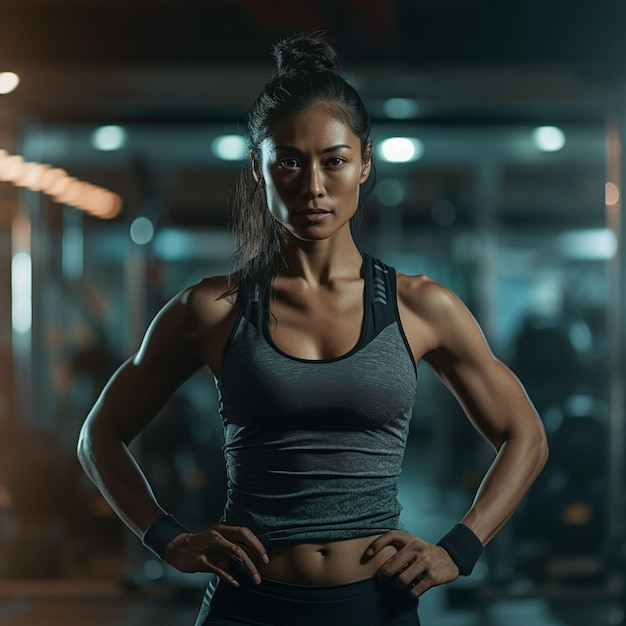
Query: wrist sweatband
<point x="159" y="534"/>
<point x="464" y="548"/>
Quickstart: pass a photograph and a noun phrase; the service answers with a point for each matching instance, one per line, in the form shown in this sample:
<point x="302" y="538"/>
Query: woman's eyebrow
<point x="293" y="149"/>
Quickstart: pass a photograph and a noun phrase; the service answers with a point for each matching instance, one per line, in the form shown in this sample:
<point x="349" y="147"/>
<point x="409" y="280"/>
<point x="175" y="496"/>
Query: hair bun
<point x="301" y="53"/>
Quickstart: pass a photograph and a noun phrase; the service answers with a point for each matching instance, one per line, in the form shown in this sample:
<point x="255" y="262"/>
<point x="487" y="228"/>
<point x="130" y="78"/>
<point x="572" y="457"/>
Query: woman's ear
<point x="256" y="169"/>
<point x="366" y="164"/>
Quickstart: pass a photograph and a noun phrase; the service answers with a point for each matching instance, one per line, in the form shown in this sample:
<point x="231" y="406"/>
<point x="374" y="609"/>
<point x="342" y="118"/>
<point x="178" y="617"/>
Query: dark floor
<point x="102" y="600"/>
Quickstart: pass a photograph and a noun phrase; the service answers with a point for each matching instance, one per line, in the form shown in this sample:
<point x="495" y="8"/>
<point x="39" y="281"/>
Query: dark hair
<point x="306" y="74"/>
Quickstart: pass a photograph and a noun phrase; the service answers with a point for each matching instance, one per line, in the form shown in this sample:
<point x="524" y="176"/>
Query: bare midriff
<point x="321" y="564"/>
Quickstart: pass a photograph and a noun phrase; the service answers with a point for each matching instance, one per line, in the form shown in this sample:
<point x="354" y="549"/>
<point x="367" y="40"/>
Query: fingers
<point x="398" y="564"/>
<point x="240" y="557"/>
<point x="420" y="585"/>
<point x="224" y="574"/>
<point x="415" y="578"/>
<point x="237" y="545"/>
<point x="417" y="566"/>
<point x="220" y="549"/>
<point x="391" y="538"/>
<point x="245" y="537"/>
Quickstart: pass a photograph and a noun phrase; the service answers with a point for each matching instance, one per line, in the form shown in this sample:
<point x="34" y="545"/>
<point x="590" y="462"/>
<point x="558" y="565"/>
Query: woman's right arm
<point x="129" y="402"/>
<point x="189" y="332"/>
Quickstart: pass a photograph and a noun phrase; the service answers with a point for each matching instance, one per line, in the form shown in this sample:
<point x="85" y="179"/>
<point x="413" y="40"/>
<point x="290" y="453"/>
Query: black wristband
<point x="464" y="548"/>
<point x="159" y="534"/>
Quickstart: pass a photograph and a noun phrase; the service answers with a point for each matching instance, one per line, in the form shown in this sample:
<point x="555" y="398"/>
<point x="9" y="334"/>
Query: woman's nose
<point x="313" y="183"/>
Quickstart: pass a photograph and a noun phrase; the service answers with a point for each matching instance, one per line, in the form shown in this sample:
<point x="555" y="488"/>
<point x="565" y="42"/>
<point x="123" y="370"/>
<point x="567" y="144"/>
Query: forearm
<point x="109" y="464"/>
<point x="517" y="464"/>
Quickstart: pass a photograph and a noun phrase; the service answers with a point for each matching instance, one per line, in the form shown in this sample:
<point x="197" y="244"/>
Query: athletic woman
<point x="314" y="346"/>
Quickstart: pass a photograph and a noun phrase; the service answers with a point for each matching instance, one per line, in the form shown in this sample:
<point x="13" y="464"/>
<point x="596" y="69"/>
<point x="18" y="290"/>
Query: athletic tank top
<point x="313" y="448"/>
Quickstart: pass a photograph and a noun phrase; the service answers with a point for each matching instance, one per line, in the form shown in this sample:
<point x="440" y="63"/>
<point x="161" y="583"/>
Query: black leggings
<point x="272" y="603"/>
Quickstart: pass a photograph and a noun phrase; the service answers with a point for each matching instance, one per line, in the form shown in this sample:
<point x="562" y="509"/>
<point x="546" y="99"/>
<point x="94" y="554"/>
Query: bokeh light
<point x="230" y="147"/>
<point x="548" y="138"/>
<point x="390" y="191"/>
<point x="443" y="212"/>
<point x="109" y="138"/>
<point x="611" y="194"/>
<point x="11" y="167"/>
<point x="400" y="108"/>
<point x="57" y="183"/>
<point x="21" y="292"/>
<point x="8" y="82"/>
<point x="141" y="231"/>
<point x="401" y="149"/>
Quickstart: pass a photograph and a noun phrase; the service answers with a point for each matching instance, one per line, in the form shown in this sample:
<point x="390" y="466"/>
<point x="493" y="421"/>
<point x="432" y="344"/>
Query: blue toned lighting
<point x="390" y="191"/>
<point x="230" y="147"/>
<point x="548" y="138"/>
<point x="443" y="212"/>
<point x="108" y="138"/>
<point x="72" y="247"/>
<point x="596" y="244"/>
<point x="400" y="108"/>
<point x="153" y="569"/>
<point x="21" y="292"/>
<point x="401" y="149"/>
<point x="141" y="231"/>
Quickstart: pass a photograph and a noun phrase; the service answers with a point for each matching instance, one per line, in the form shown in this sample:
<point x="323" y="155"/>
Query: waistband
<point x="315" y="593"/>
<point x="278" y="603"/>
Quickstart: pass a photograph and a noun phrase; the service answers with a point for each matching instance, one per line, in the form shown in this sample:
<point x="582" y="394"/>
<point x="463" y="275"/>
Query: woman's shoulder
<point x="211" y="300"/>
<point x="441" y="312"/>
<point x="193" y="322"/>
<point x="425" y="296"/>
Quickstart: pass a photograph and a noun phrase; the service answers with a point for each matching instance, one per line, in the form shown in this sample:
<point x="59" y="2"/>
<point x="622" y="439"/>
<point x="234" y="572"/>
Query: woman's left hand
<point x="417" y="566"/>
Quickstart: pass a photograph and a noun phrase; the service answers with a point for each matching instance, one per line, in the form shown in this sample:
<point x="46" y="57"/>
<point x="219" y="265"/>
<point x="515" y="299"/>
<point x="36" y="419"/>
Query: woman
<point x="314" y="347"/>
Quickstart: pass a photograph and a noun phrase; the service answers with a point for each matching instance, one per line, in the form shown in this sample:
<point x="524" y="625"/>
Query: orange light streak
<point x="58" y="184"/>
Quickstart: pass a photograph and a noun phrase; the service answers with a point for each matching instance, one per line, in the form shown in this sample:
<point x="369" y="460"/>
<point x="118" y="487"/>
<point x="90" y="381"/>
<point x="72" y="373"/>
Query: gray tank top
<point x="313" y="448"/>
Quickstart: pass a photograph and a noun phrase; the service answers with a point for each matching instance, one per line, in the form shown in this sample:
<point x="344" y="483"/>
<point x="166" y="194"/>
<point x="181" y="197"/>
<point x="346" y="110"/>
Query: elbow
<point x="544" y="450"/>
<point x="540" y="448"/>
<point x="84" y="446"/>
<point x="90" y="441"/>
<point x="532" y="446"/>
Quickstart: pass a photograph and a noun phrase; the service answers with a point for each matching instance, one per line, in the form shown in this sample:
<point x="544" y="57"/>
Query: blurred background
<point x="498" y="132"/>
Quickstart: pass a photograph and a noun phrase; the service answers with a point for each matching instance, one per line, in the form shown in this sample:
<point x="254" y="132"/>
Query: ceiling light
<point x="595" y="244"/>
<point x="108" y="138"/>
<point x="401" y="149"/>
<point x="230" y="147"/>
<point x="8" y="82"/>
<point x="400" y="108"/>
<point x="548" y="138"/>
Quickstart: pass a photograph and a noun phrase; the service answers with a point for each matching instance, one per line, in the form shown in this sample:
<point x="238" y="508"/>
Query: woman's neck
<point x="320" y="262"/>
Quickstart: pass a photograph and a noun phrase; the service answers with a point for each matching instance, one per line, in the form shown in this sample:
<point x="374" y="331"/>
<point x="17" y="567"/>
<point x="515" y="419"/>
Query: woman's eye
<point x="289" y="163"/>
<point x="335" y="161"/>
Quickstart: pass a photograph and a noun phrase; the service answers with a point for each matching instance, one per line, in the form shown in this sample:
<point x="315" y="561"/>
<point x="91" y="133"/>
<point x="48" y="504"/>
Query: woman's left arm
<point x="444" y="334"/>
<point x="495" y="402"/>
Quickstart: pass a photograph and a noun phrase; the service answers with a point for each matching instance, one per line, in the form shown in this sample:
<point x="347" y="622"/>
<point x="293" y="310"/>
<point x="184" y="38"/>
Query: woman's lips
<point x="314" y="215"/>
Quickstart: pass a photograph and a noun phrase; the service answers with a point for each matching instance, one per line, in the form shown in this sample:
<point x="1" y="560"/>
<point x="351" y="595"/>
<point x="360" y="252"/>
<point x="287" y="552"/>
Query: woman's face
<point x="311" y="169"/>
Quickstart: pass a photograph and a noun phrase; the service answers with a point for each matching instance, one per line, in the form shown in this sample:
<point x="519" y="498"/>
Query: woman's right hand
<point x="216" y="550"/>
